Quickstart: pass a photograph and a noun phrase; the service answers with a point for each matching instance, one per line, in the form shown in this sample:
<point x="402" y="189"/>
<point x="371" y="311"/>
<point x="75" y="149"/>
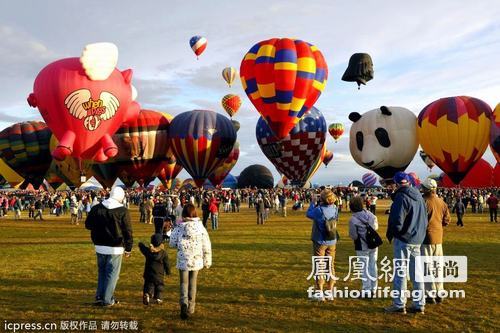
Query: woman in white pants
<point x="357" y="231"/>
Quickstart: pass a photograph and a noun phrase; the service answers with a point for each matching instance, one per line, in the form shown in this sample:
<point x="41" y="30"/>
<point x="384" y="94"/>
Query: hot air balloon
<point x="414" y="179"/>
<point x="236" y="125"/>
<point x="359" y="70"/>
<point x="229" y="74"/>
<point x="188" y="184"/>
<point x="454" y="132"/>
<point x="327" y="158"/>
<point x="84" y="101"/>
<point x="383" y="140"/>
<point x="169" y="172"/>
<point x="283" y="78"/>
<point x="369" y="179"/>
<point x="297" y="154"/>
<point x="198" y="45"/>
<point x="12" y="177"/>
<point x="496" y="175"/>
<point x="176" y="184"/>
<point x="231" y="103"/>
<point x="336" y="130"/>
<point x="220" y="173"/>
<point x="143" y="153"/>
<point x="481" y="175"/>
<point x="24" y="147"/>
<point x="495" y="133"/>
<point x="256" y="175"/>
<point x="427" y="160"/>
<point x="200" y="141"/>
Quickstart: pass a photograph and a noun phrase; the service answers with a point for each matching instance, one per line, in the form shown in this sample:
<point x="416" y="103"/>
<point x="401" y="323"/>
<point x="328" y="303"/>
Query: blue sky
<point x="421" y="50"/>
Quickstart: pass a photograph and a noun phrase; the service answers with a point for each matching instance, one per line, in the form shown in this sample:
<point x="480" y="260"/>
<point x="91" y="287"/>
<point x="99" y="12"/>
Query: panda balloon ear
<point x="385" y="111"/>
<point x="354" y="117"/>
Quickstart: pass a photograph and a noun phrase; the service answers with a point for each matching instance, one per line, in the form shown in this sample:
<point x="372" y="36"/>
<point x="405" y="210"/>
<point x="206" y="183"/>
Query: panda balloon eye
<point x="383" y="137"/>
<point x="359" y="140"/>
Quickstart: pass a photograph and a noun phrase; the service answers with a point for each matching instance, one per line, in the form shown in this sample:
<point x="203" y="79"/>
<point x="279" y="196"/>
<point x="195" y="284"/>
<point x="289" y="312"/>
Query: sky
<point x="422" y="51"/>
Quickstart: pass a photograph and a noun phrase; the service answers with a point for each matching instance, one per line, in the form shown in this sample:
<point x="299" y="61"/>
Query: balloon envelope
<point x="481" y="175"/>
<point x="256" y="176"/>
<point x="283" y="78"/>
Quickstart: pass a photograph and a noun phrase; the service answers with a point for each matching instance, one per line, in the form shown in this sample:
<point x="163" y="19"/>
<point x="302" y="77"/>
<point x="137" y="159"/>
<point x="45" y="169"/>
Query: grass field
<point x="257" y="281"/>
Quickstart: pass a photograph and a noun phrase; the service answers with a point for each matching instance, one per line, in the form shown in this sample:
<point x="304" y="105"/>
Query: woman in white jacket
<point x="194" y="252"/>
<point x="357" y="231"/>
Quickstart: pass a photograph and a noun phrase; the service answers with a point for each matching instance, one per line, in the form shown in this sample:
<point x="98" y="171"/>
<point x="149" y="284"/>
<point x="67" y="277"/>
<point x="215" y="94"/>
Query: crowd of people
<point x="415" y="227"/>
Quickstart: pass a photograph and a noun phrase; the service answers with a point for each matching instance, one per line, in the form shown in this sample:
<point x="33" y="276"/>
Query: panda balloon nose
<point x="369" y="164"/>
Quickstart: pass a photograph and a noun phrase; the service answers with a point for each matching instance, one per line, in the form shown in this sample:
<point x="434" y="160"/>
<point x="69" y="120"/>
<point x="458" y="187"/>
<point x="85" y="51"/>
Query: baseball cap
<point x="430" y="184"/>
<point x="401" y="178"/>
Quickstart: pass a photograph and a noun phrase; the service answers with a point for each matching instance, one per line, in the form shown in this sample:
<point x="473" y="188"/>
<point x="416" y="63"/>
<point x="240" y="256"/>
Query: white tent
<point x="118" y="182"/>
<point x="91" y="185"/>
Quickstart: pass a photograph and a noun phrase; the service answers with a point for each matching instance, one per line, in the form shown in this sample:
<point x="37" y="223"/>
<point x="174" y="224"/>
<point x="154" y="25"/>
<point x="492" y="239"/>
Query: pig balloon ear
<point x="99" y="60"/>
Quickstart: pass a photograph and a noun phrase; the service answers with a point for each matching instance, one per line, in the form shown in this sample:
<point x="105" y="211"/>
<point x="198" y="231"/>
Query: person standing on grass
<point x="260" y="209"/>
<point x="320" y="213"/>
<point x="149" y="210"/>
<point x="205" y="209"/>
<point x="407" y="225"/>
<point x="439" y="217"/>
<point x="361" y="218"/>
<point x="214" y="212"/>
<point x="38" y="209"/>
<point x="159" y="215"/>
<point x="459" y="209"/>
<point x="17" y="208"/>
<point x="194" y="252"/>
<point x="492" y="203"/>
<point x="111" y="233"/>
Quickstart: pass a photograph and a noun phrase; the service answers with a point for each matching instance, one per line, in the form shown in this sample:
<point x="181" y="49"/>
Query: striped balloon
<point x="495" y="133"/>
<point x="327" y="158"/>
<point x="283" y="78"/>
<point x="231" y="103"/>
<point x="229" y="74"/>
<point x="220" y="173"/>
<point x="169" y="172"/>
<point x="198" y="44"/>
<point x="454" y="132"/>
<point x="298" y="155"/>
<point x="336" y="130"/>
<point x="369" y="179"/>
<point x="201" y="140"/>
<point x="24" y="147"/>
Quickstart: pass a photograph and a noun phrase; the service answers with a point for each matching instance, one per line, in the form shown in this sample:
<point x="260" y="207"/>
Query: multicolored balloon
<point x="143" y="153"/>
<point x="384" y="140"/>
<point x="84" y="101"/>
<point x="283" y="78"/>
<point x="427" y="160"/>
<point x="198" y="45"/>
<point x="12" y="177"/>
<point x="454" y="132"/>
<point x="495" y="133"/>
<point x="298" y="153"/>
<point x="336" y="130"/>
<point x="414" y="179"/>
<point x="327" y="158"/>
<point x="201" y="140"/>
<point x="231" y="103"/>
<point x="481" y="175"/>
<point x="24" y="147"/>
<point x="169" y="172"/>
<point x="229" y="74"/>
<point x="369" y="179"/>
<point x="220" y="173"/>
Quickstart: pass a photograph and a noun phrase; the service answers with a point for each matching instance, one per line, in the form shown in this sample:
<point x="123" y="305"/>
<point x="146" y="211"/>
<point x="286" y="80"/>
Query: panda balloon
<point x="384" y="140"/>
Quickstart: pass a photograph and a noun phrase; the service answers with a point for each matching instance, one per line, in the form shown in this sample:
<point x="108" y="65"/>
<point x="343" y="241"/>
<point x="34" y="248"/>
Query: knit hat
<point x="156" y="240"/>
<point x="402" y="178"/>
<point x="117" y="193"/>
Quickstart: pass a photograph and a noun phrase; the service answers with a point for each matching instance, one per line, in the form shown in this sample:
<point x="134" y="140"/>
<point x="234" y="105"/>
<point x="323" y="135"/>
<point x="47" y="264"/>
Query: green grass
<point x="257" y="281"/>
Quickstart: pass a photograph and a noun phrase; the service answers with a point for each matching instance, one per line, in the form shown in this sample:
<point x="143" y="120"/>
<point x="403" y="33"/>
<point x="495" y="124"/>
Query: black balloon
<point x="359" y="70"/>
<point x="256" y="176"/>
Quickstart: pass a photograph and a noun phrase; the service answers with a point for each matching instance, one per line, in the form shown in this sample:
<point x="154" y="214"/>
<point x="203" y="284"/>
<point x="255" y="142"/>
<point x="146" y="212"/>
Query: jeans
<point x="108" y="267"/>
<point x="460" y="221"/>
<point x="493" y="214"/>
<point x="406" y="254"/>
<point x="188" y="280"/>
<point x="433" y="250"/>
<point x="215" y="221"/>
<point x="369" y="275"/>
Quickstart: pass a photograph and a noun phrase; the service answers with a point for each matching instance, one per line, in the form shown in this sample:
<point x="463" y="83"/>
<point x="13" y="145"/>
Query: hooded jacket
<point x="110" y="228"/>
<point x="319" y="215"/>
<point x="156" y="265"/>
<point x="194" y="250"/>
<point x="408" y="217"/>
<point x="357" y="228"/>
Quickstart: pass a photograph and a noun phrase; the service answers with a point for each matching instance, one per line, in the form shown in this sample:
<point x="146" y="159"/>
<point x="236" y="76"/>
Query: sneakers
<point x="318" y="298"/>
<point x="145" y="299"/>
<point x="98" y="302"/>
<point x="395" y="309"/>
<point x="414" y="309"/>
<point x="158" y="301"/>
<point x="184" y="311"/>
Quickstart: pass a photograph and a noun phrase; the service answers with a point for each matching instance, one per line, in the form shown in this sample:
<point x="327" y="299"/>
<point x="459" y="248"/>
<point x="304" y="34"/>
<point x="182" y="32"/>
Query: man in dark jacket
<point x="159" y="215"/>
<point x="407" y="226"/>
<point x="111" y="233"/>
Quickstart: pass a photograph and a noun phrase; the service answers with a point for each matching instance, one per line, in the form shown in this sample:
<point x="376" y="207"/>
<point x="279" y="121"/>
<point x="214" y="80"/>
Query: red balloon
<point x="169" y="172"/>
<point x="496" y="175"/>
<point x="84" y="109"/>
<point x="480" y="176"/>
